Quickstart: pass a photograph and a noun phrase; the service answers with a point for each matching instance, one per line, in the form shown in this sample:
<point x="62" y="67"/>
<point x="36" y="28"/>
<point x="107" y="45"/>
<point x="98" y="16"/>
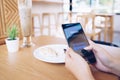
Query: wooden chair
<point x="105" y="22"/>
<point x="35" y="24"/>
<point x="87" y="21"/>
<point x="63" y="17"/>
<point x="48" y="23"/>
<point x="60" y="18"/>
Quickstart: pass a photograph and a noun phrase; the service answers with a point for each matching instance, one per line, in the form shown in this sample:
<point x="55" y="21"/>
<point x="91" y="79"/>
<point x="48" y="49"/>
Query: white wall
<point x="40" y="7"/>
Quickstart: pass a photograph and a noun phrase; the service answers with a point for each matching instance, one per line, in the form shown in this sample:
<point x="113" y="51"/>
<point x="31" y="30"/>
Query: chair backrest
<point x="105" y="21"/>
<point x="82" y="19"/>
<point x="87" y="22"/>
<point x="36" y="24"/>
<point x="60" y="18"/>
<point x="48" y="23"/>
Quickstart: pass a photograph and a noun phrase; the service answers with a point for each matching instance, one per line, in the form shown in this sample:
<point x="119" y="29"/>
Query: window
<point x="116" y="6"/>
<point x="99" y="6"/>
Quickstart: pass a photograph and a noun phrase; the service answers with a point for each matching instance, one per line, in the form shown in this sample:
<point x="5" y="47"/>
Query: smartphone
<point x="77" y="40"/>
<point x="75" y="36"/>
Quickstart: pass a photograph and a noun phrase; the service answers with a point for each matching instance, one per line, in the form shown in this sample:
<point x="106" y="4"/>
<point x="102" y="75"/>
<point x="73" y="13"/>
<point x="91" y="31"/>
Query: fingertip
<point x="67" y="58"/>
<point x="90" y="41"/>
<point x="88" y="47"/>
<point x="68" y="52"/>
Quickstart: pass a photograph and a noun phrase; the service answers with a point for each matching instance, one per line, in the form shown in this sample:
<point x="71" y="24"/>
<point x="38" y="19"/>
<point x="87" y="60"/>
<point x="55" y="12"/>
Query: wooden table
<point x="22" y="65"/>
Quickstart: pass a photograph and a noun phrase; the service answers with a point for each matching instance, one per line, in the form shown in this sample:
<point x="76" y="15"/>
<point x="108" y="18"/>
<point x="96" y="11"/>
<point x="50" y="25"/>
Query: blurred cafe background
<point x="99" y="18"/>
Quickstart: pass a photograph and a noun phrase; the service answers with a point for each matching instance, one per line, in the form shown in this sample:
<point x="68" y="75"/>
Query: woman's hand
<point x="102" y="56"/>
<point x="78" y="66"/>
<point x="105" y="61"/>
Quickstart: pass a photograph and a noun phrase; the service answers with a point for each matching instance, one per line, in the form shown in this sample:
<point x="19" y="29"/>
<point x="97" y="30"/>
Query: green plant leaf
<point x="12" y="32"/>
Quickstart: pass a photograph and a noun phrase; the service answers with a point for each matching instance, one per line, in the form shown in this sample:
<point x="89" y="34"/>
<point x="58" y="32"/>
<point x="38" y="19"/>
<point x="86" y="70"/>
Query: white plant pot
<point x="12" y="45"/>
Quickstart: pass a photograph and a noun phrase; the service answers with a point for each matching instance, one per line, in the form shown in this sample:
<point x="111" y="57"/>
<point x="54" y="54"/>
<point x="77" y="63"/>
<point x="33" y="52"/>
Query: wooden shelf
<point x="49" y="1"/>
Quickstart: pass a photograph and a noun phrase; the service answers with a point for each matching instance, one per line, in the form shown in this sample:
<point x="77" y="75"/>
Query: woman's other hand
<point x="77" y="65"/>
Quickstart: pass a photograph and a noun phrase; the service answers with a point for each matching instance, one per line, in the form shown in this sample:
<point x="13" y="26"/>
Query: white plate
<point x="51" y="53"/>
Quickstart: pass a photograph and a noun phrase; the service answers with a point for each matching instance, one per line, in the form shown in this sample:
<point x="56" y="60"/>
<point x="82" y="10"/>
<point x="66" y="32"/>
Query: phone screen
<point x="75" y="36"/>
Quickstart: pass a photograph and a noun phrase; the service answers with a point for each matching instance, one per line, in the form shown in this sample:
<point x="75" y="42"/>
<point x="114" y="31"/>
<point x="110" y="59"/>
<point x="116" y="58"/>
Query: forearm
<point x="86" y="77"/>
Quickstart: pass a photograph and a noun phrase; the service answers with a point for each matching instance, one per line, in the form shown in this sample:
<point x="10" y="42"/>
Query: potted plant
<point x="12" y="40"/>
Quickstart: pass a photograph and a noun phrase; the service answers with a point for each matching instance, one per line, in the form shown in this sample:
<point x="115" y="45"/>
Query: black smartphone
<point x="76" y="38"/>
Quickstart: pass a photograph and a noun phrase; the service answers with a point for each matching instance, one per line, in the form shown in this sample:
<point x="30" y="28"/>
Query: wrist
<point x="85" y="76"/>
